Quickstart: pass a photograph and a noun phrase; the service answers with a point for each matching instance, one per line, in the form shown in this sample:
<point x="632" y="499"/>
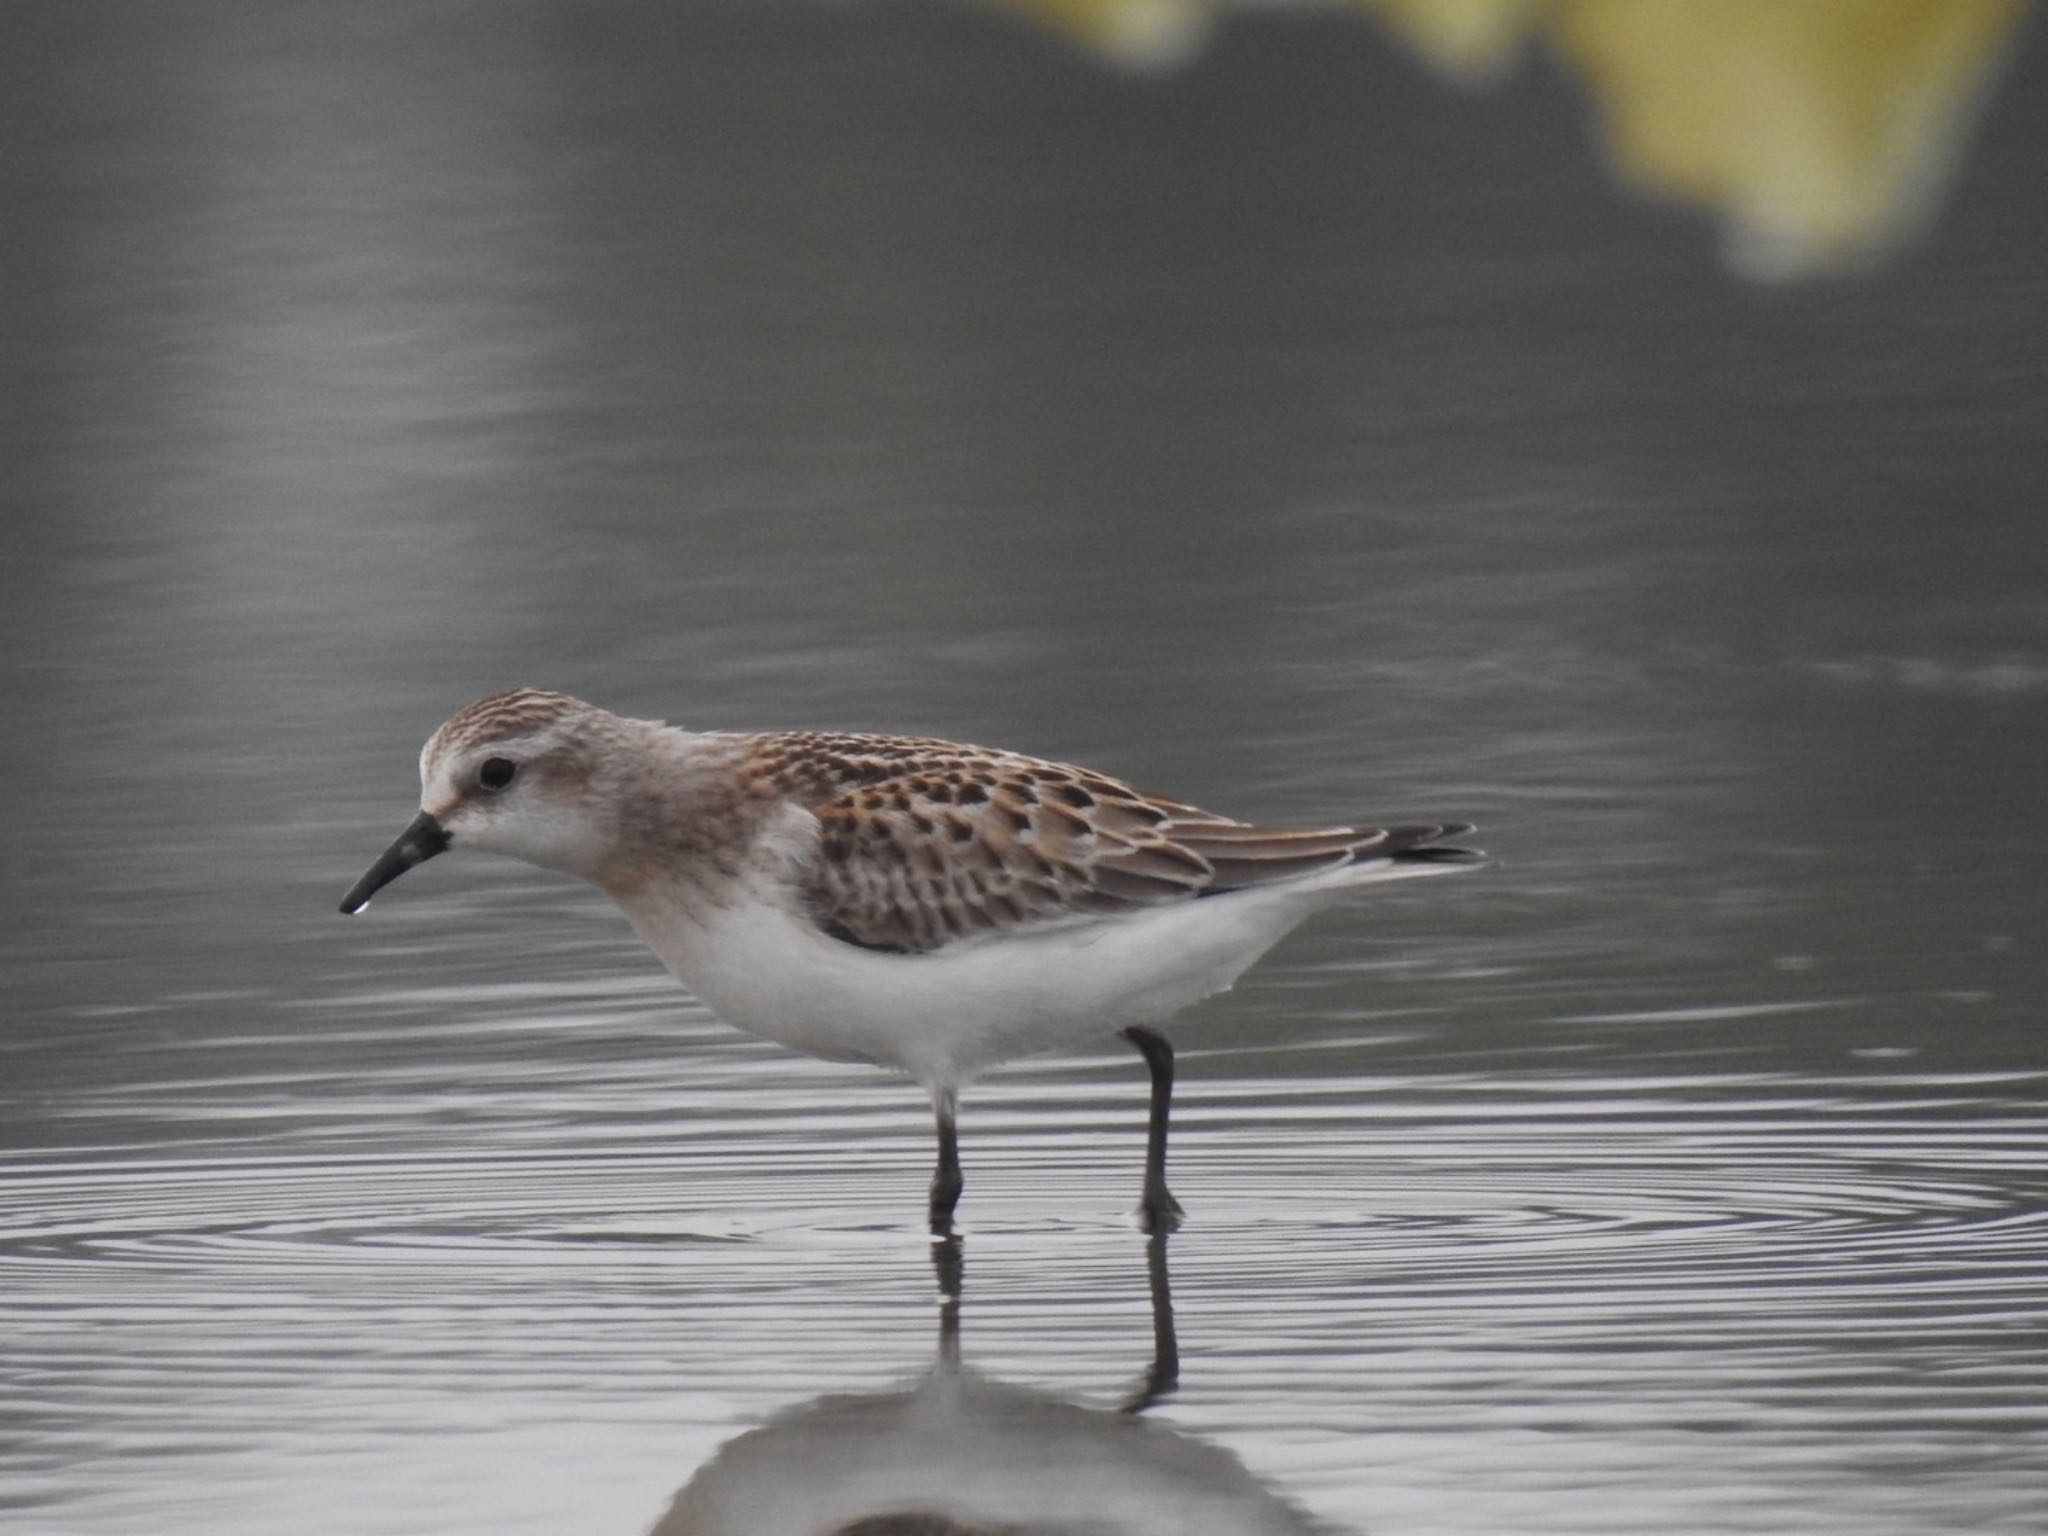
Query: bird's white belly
<point x="945" y="1016"/>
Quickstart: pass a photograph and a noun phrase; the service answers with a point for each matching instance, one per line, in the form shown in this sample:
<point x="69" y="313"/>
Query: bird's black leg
<point x="946" y="1180"/>
<point x="1158" y="1210"/>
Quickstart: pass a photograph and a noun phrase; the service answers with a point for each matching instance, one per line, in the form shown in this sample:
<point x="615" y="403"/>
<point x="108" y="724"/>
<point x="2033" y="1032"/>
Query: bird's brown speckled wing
<point x="924" y="842"/>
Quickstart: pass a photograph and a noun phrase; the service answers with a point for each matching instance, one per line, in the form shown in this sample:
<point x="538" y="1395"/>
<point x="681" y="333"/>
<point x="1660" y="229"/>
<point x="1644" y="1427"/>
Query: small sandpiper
<point x="918" y="904"/>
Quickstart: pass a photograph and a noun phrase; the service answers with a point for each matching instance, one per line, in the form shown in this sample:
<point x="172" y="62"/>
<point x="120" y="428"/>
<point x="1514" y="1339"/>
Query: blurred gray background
<point x="1244" y="401"/>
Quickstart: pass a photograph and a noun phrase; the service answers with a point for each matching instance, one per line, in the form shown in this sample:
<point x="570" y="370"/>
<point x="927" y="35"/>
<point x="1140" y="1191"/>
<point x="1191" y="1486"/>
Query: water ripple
<point x="1769" y="1257"/>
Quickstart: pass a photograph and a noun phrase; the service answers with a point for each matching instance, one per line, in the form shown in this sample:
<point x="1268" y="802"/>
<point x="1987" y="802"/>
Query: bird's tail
<point x="1239" y="855"/>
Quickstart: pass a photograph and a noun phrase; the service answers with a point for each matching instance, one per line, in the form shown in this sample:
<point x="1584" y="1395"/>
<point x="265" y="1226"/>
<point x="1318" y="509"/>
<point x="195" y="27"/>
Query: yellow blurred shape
<point x="1819" y="130"/>
<point x="1474" y="39"/>
<point x="1139" y="34"/>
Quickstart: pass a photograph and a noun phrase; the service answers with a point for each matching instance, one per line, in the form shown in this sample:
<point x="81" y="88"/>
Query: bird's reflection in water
<point x="956" y="1453"/>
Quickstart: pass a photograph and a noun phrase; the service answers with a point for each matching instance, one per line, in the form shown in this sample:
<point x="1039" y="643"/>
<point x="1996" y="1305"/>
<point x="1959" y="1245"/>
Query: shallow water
<point x="1284" y="432"/>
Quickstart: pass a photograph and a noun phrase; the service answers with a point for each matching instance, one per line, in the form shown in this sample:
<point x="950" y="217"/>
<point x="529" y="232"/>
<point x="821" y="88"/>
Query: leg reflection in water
<point x="953" y="1450"/>
<point x="1164" y="1376"/>
<point x="949" y="1263"/>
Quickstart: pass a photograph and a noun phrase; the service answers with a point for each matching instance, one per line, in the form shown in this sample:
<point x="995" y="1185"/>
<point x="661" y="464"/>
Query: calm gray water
<point x="1289" y="432"/>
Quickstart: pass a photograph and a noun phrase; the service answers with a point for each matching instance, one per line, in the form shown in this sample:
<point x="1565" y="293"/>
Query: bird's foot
<point x="945" y="1196"/>
<point x="1159" y="1212"/>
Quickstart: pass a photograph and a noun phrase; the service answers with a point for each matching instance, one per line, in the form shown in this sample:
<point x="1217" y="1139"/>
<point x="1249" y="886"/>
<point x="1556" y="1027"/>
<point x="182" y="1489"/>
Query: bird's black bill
<point x="416" y="844"/>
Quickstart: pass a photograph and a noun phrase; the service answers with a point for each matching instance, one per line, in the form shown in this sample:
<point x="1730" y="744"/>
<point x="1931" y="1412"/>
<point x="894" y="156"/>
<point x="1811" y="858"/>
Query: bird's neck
<point x="686" y="816"/>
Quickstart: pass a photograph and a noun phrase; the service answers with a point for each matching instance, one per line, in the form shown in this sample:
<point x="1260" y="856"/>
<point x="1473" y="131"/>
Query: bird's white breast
<point x="944" y="1016"/>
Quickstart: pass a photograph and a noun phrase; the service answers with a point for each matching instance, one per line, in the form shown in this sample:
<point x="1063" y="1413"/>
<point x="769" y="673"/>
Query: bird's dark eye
<point x="496" y="772"/>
